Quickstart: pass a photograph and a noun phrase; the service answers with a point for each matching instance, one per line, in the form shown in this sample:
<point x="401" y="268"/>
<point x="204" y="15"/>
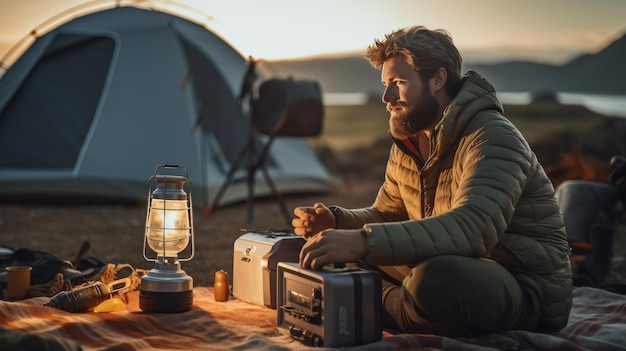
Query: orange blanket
<point x="597" y="322"/>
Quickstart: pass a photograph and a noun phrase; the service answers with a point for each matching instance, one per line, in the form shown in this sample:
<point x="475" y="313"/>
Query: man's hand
<point x="312" y="220"/>
<point x="333" y="246"/>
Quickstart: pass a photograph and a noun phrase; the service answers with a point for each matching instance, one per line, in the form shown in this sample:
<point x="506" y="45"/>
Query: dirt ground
<point x="115" y="232"/>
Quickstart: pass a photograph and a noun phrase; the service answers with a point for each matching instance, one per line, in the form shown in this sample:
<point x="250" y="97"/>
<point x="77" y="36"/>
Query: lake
<point x="610" y="105"/>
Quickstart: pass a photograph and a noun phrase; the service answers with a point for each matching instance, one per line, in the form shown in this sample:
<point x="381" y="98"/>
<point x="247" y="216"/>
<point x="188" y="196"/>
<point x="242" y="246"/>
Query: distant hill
<point x="336" y="75"/>
<point x="601" y="73"/>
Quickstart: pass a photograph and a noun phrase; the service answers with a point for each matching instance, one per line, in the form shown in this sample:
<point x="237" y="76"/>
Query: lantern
<point x="169" y="231"/>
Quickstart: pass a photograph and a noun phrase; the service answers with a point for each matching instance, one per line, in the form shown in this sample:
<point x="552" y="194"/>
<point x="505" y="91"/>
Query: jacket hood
<point x="476" y="94"/>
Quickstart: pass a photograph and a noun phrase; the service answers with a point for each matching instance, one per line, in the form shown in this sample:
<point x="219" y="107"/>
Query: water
<point x="610" y="105"/>
<point x="345" y="99"/>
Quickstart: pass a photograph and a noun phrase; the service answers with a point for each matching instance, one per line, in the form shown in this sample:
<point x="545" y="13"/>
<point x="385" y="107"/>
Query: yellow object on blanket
<point x="111" y="305"/>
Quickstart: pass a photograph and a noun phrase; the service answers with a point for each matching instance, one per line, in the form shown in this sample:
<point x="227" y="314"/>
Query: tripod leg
<point x="228" y="181"/>
<point x="260" y="163"/>
<point x="250" y="180"/>
<point x="277" y="194"/>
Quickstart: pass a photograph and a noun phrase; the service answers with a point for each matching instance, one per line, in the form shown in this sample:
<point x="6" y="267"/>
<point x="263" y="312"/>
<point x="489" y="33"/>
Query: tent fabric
<point x="63" y="124"/>
<point x="93" y="106"/>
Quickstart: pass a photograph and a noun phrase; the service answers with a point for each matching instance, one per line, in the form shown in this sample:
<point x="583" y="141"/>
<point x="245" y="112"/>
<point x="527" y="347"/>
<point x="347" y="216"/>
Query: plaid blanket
<point x="597" y="322"/>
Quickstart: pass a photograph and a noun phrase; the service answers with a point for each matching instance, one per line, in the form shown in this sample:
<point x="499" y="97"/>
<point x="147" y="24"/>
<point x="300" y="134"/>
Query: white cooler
<point x="255" y="257"/>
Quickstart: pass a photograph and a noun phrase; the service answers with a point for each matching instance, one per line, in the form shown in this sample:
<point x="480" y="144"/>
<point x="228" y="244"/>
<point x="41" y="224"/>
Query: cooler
<point x="255" y="257"/>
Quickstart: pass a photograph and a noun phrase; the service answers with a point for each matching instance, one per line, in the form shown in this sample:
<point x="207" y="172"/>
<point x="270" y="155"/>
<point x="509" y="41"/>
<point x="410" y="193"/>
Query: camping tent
<point x="93" y="106"/>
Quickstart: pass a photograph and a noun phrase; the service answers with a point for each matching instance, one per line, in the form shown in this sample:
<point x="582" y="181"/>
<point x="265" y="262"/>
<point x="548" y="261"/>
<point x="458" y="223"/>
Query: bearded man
<point x="465" y="230"/>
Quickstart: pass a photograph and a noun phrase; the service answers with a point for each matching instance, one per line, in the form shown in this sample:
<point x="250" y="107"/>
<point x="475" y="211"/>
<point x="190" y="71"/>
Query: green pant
<point x="458" y="296"/>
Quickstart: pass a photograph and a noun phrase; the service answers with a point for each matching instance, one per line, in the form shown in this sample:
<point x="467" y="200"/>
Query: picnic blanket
<point x="597" y="322"/>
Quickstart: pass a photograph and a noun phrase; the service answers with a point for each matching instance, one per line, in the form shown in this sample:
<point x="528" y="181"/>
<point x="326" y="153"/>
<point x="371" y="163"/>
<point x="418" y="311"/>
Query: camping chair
<point x="283" y="108"/>
<point x="590" y="212"/>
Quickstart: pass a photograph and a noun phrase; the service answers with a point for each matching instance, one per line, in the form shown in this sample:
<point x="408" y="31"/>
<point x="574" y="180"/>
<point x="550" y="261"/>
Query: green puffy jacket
<point x="481" y="193"/>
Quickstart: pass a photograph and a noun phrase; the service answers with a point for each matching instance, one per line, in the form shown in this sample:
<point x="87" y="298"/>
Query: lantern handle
<point x="169" y="166"/>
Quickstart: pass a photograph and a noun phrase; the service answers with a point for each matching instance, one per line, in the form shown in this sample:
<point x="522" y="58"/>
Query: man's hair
<point x="425" y="50"/>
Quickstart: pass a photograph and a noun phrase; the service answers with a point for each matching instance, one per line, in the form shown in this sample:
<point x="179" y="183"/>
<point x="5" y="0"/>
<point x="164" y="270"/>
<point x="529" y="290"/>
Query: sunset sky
<point x="543" y="30"/>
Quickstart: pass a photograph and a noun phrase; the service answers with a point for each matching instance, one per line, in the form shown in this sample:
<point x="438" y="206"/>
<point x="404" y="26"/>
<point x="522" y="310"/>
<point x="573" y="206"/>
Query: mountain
<point x="335" y="75"/>
<point x="601" y="73"/>
<point x="517" y="76"/>
<point x="604" y="71"/>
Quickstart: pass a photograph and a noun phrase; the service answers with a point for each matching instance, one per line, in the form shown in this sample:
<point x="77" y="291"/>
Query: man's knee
<point x="442" y="276"/>
<point x="454" y="289"/>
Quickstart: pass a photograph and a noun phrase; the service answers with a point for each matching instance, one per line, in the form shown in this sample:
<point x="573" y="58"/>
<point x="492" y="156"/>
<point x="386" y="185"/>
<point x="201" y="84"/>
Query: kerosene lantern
<point x="169" y="231"/>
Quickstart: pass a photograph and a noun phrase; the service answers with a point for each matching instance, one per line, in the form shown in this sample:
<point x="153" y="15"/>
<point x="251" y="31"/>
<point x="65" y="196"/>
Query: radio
<point x="332" y="307"/>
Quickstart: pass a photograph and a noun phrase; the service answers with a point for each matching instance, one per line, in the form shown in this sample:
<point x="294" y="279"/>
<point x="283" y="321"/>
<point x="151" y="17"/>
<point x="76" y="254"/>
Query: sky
<point x="549" y="31"/>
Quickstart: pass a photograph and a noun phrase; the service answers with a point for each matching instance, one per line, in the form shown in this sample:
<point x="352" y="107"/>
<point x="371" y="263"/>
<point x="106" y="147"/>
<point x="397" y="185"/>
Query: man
<point x="465" y="229"/>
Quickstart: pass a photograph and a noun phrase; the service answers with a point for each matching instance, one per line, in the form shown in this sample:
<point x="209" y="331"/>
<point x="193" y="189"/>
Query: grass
<point x="539" y="120"/>
<point x="347" y="127"/>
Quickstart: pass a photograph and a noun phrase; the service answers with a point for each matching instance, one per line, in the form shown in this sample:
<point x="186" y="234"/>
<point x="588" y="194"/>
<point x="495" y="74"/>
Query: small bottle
<point x="82" y="299"/>
<point x="220" y="286"/>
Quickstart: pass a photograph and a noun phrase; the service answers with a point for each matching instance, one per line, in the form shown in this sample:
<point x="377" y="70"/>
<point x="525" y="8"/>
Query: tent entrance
<point x="54" y="109"/>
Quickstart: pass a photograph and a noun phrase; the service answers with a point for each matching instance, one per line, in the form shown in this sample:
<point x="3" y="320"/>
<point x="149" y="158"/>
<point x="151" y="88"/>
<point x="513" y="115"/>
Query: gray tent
<point x="93" y="106"/>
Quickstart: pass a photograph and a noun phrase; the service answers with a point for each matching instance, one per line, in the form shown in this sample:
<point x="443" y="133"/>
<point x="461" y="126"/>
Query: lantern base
<point x="165" y="290"/>
<point x="165" y="302"/>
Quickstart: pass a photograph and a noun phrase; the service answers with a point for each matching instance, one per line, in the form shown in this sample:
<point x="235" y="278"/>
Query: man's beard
<point x="415" y="117"/>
